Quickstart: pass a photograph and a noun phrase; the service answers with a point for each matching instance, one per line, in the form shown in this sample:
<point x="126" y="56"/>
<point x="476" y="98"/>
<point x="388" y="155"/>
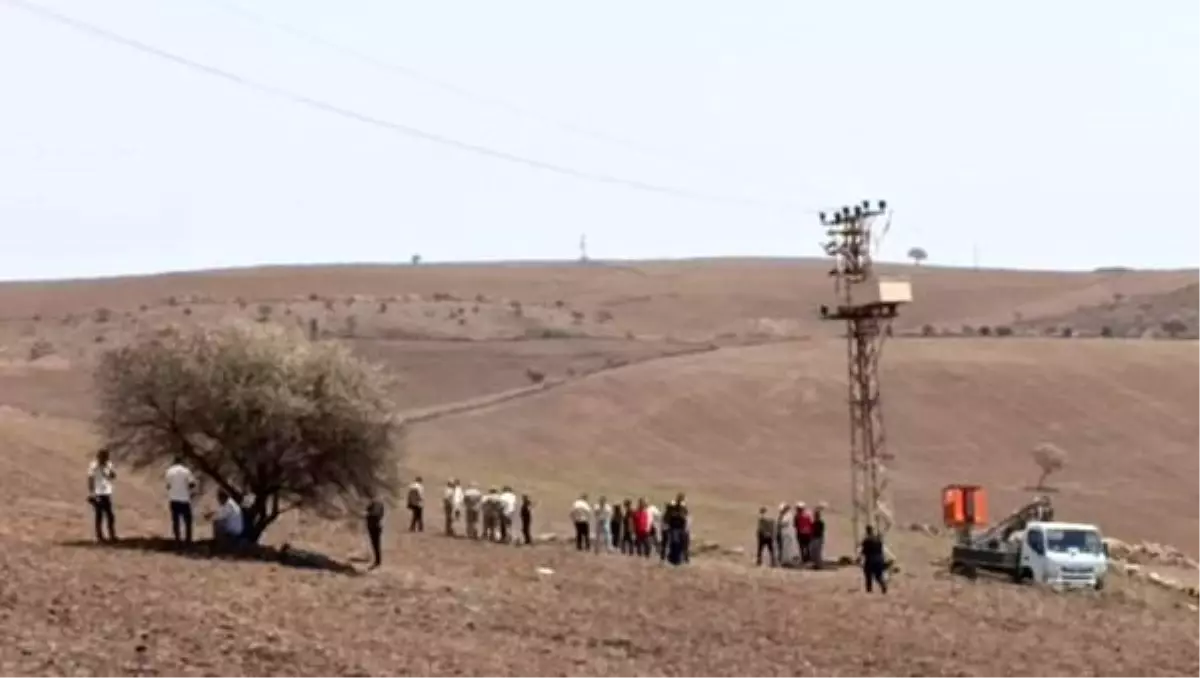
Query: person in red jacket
<point x="804" y="530"/>
<point x="643" y="524"/>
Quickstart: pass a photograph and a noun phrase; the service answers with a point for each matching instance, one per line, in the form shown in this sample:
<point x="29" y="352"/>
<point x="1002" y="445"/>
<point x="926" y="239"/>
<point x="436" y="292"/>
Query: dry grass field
<point x="711" y="377"/>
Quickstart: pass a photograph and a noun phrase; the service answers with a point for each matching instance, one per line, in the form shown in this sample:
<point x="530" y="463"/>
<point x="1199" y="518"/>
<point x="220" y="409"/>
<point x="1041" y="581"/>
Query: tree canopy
<point x="277" y="421"/>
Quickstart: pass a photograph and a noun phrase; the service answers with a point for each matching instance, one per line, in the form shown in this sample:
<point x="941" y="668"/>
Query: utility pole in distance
<point x="867" y="305"/>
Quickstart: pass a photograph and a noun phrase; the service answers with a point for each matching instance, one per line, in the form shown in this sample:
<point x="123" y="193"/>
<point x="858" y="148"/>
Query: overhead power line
<point x="395" y="127"/>
<point x="414" y="74"/>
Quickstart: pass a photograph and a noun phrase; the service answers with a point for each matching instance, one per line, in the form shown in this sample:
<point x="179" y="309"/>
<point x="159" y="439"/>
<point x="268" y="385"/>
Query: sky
<point x="1024" y="134"/>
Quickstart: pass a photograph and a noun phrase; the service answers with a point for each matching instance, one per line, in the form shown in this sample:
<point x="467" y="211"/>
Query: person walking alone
<point x="527" y="519"/>
<point x="100" y="490"/>
<point x="416" y="506"/>
<point x="181" y="485"/>
<point x="375" y="530"/>
<point x="874" y="562"/>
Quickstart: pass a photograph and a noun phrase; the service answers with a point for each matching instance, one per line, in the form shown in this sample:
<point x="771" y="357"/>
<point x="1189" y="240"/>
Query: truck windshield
<point x="1085" y="541"/>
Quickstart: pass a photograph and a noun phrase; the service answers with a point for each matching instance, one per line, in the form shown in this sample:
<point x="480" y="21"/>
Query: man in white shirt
<point x="603" y="514"/>
<point x="508" y="511"/>
<point x="100" y="489"/>
<point x="180" y="486"/>
<point x="416" y="506"/>
<point x="581" y="516"/>
<point x="448" y="507"/>
<point x="227" y="524"/>
<point x="472" y="505"/>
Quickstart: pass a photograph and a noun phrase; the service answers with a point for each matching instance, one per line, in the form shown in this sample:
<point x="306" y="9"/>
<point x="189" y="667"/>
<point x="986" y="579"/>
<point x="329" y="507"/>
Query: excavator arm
<point x="1038" y="509"/>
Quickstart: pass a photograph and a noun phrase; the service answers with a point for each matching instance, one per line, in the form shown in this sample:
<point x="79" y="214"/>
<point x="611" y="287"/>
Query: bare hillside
<point x="762" y="425"/>
<point x="712" y="377"/>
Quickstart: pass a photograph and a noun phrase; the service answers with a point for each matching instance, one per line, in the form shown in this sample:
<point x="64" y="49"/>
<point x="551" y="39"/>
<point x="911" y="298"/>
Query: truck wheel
<point x="1099" y="584"/>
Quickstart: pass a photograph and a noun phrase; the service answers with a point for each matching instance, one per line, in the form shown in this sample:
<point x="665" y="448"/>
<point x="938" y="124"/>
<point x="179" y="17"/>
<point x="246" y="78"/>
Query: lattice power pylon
<point x="867" y="305"/>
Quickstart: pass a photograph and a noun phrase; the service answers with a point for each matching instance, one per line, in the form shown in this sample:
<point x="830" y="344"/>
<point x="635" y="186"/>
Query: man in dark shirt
<point x="675" y="524"/>
<point x="816" y="548"/>
<point x="375" y="530"/>
<point x="873" y="561"/>
<point x="766" y="537"/>
<point x="527" y="519"/>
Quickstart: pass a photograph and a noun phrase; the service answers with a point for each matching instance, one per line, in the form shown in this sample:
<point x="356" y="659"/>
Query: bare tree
<point x="1050" y="458"/>
<point x="918" y="255"/>
<point x="416" y="259"/>
<point x="272" y="419"/>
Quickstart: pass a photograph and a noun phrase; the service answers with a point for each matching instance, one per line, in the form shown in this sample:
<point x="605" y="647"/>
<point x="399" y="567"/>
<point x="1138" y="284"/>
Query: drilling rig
<point x="867" y="305"/>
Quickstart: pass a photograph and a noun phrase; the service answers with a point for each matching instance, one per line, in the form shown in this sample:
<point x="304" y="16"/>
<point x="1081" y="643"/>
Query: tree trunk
<point x="259" y="517"/>
<point x="1041" y="482"/>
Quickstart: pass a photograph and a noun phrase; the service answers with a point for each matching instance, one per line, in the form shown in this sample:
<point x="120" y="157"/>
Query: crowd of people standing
<point x="795" y="537"/>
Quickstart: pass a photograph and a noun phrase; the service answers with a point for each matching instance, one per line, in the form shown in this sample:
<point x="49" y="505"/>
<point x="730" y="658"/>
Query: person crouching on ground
<point x="227" y="524"/>
<point x="581" y="517"/>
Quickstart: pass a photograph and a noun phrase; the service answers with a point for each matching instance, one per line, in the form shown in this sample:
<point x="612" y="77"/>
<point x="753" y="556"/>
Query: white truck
<point x="1062" y="554"/>
<point x="1029" y="545"/>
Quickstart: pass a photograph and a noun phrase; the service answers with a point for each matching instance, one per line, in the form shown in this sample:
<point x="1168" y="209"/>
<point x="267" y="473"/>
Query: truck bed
<point x="970" y="558"/>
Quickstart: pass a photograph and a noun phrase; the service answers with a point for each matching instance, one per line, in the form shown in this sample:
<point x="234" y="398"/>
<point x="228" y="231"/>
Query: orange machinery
<point x="964" y="507"/>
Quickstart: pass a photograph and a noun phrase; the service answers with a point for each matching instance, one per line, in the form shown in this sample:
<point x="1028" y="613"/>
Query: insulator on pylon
<point x="858" y="210"/>
<point x="866" y="205"/>
<point x="882" y="205"/>
<point x="823" y="217"/>
<point x="846" y="211"/>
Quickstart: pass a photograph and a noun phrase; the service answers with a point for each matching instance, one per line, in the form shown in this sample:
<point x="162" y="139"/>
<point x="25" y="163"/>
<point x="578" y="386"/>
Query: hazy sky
<point x="1060" y="134"/>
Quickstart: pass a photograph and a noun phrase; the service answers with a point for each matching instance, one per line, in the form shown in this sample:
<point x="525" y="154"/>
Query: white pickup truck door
<point x="1030" y="558"/>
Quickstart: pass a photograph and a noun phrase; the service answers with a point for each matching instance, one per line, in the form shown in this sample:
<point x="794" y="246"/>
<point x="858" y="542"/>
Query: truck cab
<point x="1063" y="554"/>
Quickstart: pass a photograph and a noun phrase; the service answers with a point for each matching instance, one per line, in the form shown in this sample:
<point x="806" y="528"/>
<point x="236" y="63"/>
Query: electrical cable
<point x="395" y="127"/>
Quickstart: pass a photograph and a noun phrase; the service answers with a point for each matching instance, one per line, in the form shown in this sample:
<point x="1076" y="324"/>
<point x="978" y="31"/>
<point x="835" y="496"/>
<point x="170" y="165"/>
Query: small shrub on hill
<point x="535" y="376"/>
<point x="1004" y="331"/>
<point x="985" y="331"/>
<point x="1106" y="332"/>
<point x="1067" y="333"/>
<point x="187" y="310"/>
<point x="383" y="307"/>
<point x="928" y="331"/>
<point x="968" y="331"/>
<point x="102" y="315"/>
<point x="604" y="315"/>
<point x="40" y="349"/>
